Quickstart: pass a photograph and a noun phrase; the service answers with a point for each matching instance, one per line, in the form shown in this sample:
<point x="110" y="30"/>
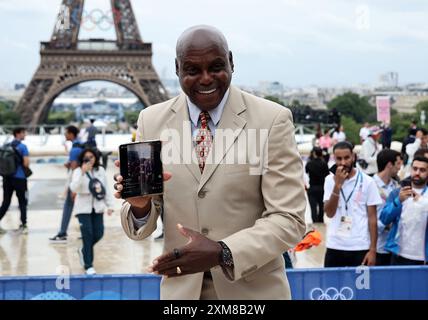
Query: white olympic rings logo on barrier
<point x="331" y="293"/>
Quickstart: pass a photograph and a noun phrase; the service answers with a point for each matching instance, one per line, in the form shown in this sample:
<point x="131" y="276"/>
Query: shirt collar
<point x="215" y="113"/>
<point x="382" y="184"/>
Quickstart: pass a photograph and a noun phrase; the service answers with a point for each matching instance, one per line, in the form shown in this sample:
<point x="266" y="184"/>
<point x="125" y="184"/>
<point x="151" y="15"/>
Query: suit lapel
<point x="231" y="121"/>
<point x="180" y="122"/>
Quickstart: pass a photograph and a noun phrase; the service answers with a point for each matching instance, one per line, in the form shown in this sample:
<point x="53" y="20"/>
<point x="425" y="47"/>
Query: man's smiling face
<point x="204" y="68"/>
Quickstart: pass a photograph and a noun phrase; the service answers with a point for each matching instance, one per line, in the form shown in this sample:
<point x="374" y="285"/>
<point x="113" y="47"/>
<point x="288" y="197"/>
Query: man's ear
<point x="176" y="67"/>
<point x="232" y="66"/>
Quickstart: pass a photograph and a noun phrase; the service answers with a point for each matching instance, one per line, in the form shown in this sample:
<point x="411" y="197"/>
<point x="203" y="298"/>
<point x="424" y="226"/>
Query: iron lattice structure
<point x="67" y="61"/>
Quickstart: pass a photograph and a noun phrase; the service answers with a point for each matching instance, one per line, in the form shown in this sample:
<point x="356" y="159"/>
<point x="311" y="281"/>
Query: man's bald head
<point x="201" y="36"/>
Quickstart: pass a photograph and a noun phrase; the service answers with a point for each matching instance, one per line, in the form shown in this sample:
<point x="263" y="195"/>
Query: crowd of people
<point x="375" y="201"/>
<point x="86" y="197"/>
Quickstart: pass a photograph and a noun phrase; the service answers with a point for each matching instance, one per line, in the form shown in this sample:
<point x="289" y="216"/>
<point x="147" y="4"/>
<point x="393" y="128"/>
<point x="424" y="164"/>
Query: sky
<point x="296" y="42"/>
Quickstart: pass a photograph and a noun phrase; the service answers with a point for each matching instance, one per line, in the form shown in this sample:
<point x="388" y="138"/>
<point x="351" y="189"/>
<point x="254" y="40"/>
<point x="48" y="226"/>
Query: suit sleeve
<point x="128" y="224"/>
<point x="282" y="224"/>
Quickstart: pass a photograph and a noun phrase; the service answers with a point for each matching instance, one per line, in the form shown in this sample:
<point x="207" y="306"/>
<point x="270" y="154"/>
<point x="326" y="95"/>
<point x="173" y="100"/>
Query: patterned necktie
<point x="203" y="140"/>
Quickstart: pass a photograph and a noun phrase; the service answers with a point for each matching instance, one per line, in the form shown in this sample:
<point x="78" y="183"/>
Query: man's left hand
<point x="370" y="258"/>
<point x="198" y="255"/>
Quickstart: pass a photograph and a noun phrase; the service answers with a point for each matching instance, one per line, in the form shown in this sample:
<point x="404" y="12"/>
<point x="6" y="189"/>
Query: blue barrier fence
<point x="409" y="283"/>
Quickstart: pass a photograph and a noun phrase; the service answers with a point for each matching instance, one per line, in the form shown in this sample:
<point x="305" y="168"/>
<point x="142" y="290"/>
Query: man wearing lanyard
<point x="407" y="210"/>
<point x="350" y="198"/>
<point x="389" y="162"/>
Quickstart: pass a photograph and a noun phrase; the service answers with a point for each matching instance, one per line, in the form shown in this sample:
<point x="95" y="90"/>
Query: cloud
<point x="29" y="6"/>
<point x="8" y="43"/>
<point x="269" y="32"/>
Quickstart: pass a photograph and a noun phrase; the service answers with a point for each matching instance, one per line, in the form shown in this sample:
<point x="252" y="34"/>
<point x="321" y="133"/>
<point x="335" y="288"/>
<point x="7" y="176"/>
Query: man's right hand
<point x="340" y="176"/>
<point x="405" y="193"/>
<point x="136" y="202"/>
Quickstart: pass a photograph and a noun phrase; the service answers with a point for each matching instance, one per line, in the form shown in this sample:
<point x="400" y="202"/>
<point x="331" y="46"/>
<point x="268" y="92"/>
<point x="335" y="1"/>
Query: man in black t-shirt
<point x="317" y="170"/>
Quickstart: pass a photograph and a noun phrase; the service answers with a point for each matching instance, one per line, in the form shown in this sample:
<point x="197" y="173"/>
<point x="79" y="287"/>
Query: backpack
<point x="96" y="188"/>
<point x="8" y="160"/>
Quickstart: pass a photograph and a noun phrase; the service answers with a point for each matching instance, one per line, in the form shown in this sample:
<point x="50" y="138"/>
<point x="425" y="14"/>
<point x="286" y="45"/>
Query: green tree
<point x="400" y="123"/>
<point x="131" y="117"/>
<point x="352" y="129"/>
<point x="423" y="105"/>
<point x="295" y="103"/>
<point x="9" y="118"/>
<point x="352" y="105"/>
<point x="62" y="117"/>
<point x="5" y="106"/>
<point x="274" y="99"/>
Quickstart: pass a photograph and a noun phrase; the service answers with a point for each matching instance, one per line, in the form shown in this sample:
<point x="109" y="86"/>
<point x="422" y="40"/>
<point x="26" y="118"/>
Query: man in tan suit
<point x="226" y="226"/>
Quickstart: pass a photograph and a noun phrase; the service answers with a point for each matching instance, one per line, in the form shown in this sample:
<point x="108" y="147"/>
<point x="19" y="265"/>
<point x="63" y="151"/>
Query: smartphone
<point x="406" y="183"/>
<point x="141" y="168"/>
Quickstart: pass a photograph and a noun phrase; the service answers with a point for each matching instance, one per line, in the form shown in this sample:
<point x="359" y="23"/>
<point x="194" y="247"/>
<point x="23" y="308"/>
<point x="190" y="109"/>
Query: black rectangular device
<point x="141" y="168"/>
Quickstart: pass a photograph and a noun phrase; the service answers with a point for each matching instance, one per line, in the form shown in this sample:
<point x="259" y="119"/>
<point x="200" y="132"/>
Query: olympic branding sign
<point x="331" y="293"/>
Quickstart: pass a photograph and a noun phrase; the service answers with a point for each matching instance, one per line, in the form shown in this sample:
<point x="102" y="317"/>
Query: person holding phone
<point x="88" y="207"/>
<point x="407" y="210"/>
<point x="226" y="226"/>
<point x="350" y="200"/>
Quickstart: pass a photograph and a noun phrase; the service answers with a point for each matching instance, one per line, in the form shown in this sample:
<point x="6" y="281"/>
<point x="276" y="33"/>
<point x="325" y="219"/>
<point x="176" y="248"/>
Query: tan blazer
<point x="257" y="216"/>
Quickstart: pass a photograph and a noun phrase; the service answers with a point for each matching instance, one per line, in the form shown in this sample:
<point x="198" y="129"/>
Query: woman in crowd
<point x="92" y="201"/>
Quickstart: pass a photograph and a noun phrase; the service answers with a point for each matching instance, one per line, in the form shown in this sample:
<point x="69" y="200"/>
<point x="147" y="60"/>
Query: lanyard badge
<point x="352" y="192"/>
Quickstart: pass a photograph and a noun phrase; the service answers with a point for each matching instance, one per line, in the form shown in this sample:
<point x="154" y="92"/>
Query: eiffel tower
<point x="67" y="61"/>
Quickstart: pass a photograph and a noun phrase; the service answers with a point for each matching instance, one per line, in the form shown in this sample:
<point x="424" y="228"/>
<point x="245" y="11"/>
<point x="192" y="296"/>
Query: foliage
<point x="131" y="117"/>
<point x="352" y="105"/>
<point x="9" y="118"/>
<point x="274" y="99"/>
<point x="62" y="117"/>
<point x="352" y="129"/>
<point x="423" y="105"/>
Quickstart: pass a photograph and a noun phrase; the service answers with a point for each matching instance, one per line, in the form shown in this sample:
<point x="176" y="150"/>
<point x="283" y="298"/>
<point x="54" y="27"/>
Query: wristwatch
<point x="226" y="259"/>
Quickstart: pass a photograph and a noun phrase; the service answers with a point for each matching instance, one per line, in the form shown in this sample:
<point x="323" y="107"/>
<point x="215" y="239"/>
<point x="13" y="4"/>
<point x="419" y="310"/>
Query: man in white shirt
<point x="389" y="163"/>
<point x="421" y="141"/>
<point x="407" y="210"/>
<point x="350" y="200"/>
<point x="339" y="135"/>
<point x="364" y="132"/>
<point x="370" y="150"/>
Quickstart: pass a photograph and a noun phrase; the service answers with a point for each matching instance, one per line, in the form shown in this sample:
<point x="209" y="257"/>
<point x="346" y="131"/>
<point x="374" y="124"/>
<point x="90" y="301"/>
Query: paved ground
<point x="32" y="254"/>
